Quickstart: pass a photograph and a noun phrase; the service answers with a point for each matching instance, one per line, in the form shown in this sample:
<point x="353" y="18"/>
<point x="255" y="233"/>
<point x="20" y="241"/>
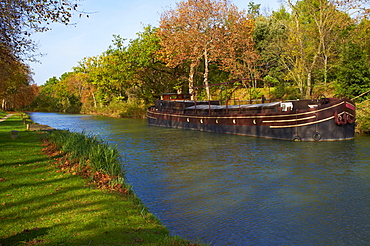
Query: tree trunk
<point x="3" y="107"/>
<point x="325" y="69"/>
<point x="191" y="80"/>
<point x="206" y="74"/>
<point x="309" y="84"/>
<point x="93" y="95"/>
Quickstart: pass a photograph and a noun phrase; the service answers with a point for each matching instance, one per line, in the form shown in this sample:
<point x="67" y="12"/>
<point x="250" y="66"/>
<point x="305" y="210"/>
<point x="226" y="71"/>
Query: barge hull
<point x="323" y="131"/>
<point x="309" y="121"/>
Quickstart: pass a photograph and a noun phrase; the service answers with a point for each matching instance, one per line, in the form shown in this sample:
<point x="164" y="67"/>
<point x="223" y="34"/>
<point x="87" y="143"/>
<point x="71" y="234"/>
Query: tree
<point x="313" y="35"/>
<point x="359" y="8"/>
<point x="14" y="77"/>
<point x="207" y="30"/>
<point x="152" y="77"/>
<point x="253" y="10"/>
<point x="271" y="35"/>
<point x="353" y="71"/>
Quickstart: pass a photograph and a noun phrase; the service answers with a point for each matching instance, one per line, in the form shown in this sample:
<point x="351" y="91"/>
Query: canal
<point x="235" y="190"/>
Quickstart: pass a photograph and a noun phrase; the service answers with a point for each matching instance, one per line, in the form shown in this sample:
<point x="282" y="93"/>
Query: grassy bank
<point x="42" y="205"/>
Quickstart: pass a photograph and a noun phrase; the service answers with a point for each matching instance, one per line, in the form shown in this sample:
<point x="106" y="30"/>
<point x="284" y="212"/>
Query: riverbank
<point x="42" y="205"/>
<point x="363" y="117"/>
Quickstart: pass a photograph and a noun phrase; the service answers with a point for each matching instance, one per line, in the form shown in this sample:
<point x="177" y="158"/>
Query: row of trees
<point x="316" y="43"/>
<point x="125" y="77"/>
<point x="18" y="20"/>
<point x="303" y="48"/>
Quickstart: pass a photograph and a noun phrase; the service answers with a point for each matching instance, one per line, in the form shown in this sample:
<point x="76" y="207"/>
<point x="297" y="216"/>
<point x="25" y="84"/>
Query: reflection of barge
<point x="325" y="119"/>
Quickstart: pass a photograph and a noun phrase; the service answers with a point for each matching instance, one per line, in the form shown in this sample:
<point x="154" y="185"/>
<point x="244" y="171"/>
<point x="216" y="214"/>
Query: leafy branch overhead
<point x="20" y="18"/>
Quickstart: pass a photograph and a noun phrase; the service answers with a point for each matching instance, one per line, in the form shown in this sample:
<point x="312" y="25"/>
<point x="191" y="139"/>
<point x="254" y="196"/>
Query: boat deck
<point x="244" y="106"/>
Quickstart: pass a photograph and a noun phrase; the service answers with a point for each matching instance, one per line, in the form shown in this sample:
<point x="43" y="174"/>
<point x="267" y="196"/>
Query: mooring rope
<point x="360" y="95"/>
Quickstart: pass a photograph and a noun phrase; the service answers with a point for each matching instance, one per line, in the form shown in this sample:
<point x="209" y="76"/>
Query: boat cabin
<point x="175" y="96"/>
<point x="181" y="104"/>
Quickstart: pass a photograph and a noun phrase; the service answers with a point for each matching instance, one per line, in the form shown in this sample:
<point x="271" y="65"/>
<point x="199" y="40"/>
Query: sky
<point x="64" y="46"/>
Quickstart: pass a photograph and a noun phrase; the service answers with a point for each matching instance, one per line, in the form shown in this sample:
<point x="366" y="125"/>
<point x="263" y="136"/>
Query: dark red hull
<point x="330" y="121"/>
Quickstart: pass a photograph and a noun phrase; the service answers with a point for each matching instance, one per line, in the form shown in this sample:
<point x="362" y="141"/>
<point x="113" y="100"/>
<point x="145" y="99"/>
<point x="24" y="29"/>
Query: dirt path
<point x="6" y="117"/>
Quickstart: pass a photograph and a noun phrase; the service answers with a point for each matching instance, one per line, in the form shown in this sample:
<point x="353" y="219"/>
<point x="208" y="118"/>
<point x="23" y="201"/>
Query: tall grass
<point x="91" y="152"/>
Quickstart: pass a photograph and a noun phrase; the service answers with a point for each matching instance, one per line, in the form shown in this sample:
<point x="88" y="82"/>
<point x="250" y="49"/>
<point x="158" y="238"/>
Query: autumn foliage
<point x="209" y="31"/>
<point x="305" y="49"/>
<point x="18" y="20"/>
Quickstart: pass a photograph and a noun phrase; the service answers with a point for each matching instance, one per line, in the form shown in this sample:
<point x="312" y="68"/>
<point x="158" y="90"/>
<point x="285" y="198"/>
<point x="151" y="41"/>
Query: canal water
<point x="235" y="190"/>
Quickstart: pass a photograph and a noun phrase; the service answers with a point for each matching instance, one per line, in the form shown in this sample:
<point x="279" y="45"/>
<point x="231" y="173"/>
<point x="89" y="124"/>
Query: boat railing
<point x="241" y="103"/>
<point x="232" y="106"/>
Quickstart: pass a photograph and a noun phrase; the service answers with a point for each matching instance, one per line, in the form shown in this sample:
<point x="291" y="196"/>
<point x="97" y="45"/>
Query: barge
<point x="323" y="119"/>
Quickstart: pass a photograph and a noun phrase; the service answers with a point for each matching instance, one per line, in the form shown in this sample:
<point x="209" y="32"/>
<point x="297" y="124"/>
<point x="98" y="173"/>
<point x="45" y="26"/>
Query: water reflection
<point x="234" y="190"/>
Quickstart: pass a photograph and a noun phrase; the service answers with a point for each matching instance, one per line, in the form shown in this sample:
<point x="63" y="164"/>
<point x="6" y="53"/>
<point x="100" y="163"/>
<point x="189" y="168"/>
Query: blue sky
<point x="64" y="46"/>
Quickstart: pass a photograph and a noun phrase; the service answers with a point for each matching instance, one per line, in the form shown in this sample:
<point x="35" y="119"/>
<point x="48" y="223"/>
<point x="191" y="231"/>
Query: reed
<point x="89" y="151"/>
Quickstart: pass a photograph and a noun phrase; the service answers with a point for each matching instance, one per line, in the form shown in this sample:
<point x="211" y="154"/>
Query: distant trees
<point x="59" y="95"/>
<point x="15" y="90"/>
<point x="304" y="46"/>
<point x="14" y="77"/>
<point x="116" y="82"/>
<point x="353" y="67"/>
<point x="303" y="49"/>
<point x="152" y="77"/>
<point x="314" y="30"/>
<point x="127" y="74"/>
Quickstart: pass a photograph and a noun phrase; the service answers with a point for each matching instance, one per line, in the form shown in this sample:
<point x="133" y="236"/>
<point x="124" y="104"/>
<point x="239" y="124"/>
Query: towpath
<point x="6" y="117"/>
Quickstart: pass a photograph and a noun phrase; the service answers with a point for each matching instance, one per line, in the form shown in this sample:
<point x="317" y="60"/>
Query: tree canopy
<point x="208" y="30"/>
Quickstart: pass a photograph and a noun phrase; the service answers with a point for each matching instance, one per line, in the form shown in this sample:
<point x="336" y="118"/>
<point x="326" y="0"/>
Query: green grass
<point x="41" y="205"/>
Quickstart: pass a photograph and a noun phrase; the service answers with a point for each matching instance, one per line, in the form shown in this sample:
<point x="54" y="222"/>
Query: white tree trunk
<point x="206" y="74"/>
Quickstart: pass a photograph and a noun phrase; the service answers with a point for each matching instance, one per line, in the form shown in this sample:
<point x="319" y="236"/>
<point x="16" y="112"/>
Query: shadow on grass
<point x="24" y="139"/>
<point x="12" y="124"/>
<point x="23" y="162"/>
<point x="126" y="236"/>
<point x="43" y="206"/>
<point x="27" y="236"/>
